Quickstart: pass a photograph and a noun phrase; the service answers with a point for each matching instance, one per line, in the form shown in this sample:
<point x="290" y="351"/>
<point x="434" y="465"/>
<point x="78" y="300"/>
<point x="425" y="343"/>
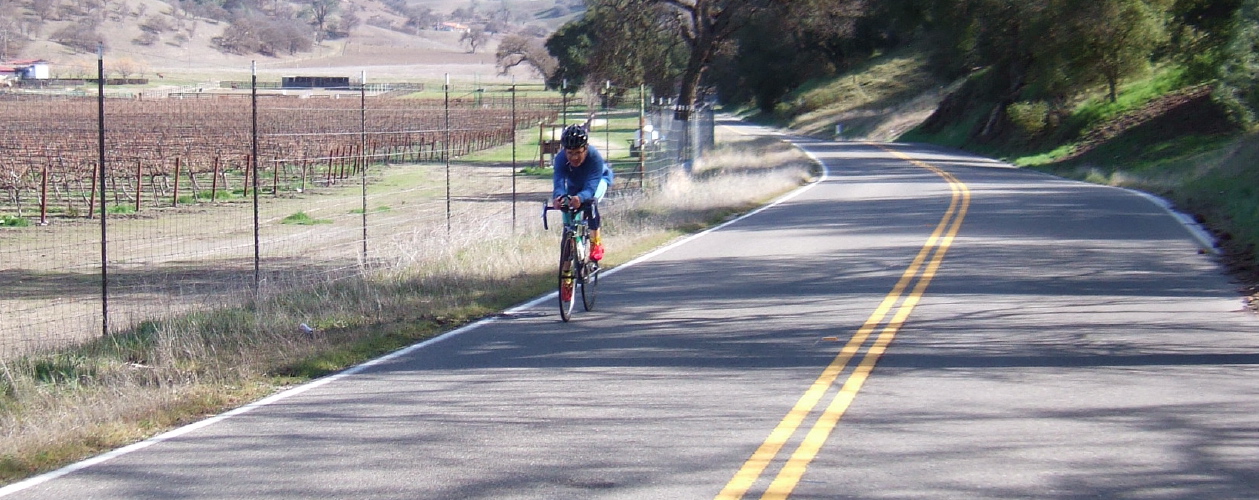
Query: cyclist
<point x="583" y="176"/>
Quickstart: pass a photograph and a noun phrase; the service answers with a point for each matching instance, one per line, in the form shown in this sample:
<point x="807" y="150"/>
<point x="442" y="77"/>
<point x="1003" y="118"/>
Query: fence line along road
<point x="338" y="183"/>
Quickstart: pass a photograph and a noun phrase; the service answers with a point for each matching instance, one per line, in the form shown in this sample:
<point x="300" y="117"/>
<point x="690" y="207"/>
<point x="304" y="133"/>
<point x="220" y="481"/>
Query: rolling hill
<point x="151" y="39"/>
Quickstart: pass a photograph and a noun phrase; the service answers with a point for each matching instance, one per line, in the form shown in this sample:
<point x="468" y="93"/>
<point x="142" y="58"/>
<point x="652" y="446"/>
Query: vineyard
<point x="180" y="178"/>
<point x="161" y="153"/>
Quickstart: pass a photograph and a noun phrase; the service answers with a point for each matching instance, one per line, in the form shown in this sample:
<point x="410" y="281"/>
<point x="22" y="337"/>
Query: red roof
<point x="8" y="69"/>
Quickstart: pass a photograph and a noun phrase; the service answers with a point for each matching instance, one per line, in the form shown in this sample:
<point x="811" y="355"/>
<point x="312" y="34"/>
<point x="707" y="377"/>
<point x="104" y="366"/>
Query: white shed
<point x="31" y="69"/>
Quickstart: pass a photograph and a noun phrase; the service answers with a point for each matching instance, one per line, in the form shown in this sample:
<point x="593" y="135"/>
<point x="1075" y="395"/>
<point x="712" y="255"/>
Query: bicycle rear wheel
<point x="567" y="277"/>
<point x="589" y="284"/>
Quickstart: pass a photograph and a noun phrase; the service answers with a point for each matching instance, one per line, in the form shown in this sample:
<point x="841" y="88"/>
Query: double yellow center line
<point x="920" y="273"/>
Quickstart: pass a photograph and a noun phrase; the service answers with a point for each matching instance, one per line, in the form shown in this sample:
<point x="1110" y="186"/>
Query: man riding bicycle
<point x="583" y="177"/>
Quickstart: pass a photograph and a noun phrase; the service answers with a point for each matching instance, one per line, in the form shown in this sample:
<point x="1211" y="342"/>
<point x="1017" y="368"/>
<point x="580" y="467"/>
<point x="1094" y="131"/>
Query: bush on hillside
<point x="266" y="36"/>
<point x="81" y="37"/>
<point x="1031" y="118"/>
<point x="1238" y="89"/>
<point x="156" y="24"/>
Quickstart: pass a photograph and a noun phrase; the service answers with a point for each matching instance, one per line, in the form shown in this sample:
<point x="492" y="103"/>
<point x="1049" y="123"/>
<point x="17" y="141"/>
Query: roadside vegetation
<point x="1162" y="134"/>
<point x="1167" y="139"/>
<point x="63" y="406"/>
<point x="1155" y="96"/>
<point x="1158" y="95"/>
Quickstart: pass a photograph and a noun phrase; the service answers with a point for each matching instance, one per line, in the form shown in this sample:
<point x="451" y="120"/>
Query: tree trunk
<point x="701" y="54"/>
<point x="690" y="86"/>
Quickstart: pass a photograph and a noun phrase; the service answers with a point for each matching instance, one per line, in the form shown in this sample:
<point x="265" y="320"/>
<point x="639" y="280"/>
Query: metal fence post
<point x="513" y="154"/>
<point x="362" y="148"/>
<point x="253" y="166"/>
<point x="446" y="152"/>
<point x="100" y="123"/>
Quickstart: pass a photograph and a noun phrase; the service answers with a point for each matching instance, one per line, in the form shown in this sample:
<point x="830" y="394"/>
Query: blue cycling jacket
<point x="582" y="180"/>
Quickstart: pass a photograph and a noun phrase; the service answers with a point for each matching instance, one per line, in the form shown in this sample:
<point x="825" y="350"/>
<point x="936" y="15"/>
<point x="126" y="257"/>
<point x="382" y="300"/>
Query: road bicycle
<point x="577" y="270"/>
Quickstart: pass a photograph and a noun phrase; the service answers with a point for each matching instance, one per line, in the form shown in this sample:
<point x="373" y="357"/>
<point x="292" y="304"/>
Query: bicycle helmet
<point x="574" y="137"/>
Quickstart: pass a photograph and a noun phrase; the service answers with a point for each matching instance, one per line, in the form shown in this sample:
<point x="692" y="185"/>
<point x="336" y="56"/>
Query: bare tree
<point x="420" y="18"/>
<point x="125" y="67"/>
<point x="11" y="41"/>
<point x="516" y="50"/>
<point x="82" y="37"/>
<point x="349" y="20"/>
<point x="11" y="37"/>
<point x="320" y="11"/>
<point x="474" y="38"/>
<point x="43" y="9"/>
<point x="464" y="13"/>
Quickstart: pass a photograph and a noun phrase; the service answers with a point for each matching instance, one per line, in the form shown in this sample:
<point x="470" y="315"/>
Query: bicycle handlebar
<point x="546" y="207"/>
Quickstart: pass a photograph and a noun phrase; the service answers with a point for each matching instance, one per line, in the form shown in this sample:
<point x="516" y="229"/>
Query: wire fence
<point x="205" y="202"/>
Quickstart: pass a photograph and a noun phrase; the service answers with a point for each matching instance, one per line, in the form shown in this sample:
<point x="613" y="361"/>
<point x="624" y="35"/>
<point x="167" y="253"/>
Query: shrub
<point x="302" y="219"/>
<point x="12" y="221"/>
<point x="146" y="39"/>
<point x="82" y="37"/>
<point x="156" y="24"/>
<point x="1029" y="117"/>
<point x="1237" y="89"/>
<point x="261" y="35"/>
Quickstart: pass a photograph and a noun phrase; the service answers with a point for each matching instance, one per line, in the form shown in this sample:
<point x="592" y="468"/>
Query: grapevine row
<point x="170" y="151"/>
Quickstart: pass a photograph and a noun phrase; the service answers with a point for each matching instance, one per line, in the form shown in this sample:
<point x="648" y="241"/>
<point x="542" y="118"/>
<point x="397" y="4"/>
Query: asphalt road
<point x="920" y="324"/>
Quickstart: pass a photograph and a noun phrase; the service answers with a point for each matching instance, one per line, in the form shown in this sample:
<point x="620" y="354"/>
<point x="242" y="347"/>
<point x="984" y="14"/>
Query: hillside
<point x="151" y="39"/>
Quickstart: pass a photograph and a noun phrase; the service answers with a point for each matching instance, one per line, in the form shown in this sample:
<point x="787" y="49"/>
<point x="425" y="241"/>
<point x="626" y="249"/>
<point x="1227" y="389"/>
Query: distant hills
<point x="193" y="40"/>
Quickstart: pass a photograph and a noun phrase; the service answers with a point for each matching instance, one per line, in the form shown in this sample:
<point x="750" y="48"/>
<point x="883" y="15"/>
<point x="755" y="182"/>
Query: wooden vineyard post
<point x="139" y="184"/>
<point x="214" y="181"/>
<point x="328" y="176"/>
<point x="341" y="161"/>
<point x="357" y="154"/>
<point x="174" y="199"/>
<point x="91" y="205"/>
<point x="192" y="181"/>
<point x="43" y="197"/>
<point x="157" y="191"/>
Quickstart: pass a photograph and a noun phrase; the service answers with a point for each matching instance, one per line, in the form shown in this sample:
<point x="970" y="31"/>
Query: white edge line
<point x="49" y="476"/>
<point x="1205" y="240"/>
<point x="274" y="398"/>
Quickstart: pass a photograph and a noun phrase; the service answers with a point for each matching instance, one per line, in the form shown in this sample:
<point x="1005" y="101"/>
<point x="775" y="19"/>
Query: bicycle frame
<point x="575" y="226"/>
<point x="576" y="268"/>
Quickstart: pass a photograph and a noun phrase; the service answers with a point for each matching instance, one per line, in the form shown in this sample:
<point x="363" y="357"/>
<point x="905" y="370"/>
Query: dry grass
<point x="877" y="102"/>
<point x="61" y="407"/>
<point x="738" y="175"/>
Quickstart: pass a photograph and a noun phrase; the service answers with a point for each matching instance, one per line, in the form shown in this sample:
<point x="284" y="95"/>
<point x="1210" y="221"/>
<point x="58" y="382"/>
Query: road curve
<point x="919" y="324"/>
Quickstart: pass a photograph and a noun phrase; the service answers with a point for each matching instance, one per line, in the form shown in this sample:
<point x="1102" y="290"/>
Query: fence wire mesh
<point x="202" y="210"/>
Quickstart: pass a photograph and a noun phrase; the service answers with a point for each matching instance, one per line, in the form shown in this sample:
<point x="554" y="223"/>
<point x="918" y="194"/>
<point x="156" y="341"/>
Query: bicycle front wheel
<point x="589" y="284"/>
<point x="567" y="277"/>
